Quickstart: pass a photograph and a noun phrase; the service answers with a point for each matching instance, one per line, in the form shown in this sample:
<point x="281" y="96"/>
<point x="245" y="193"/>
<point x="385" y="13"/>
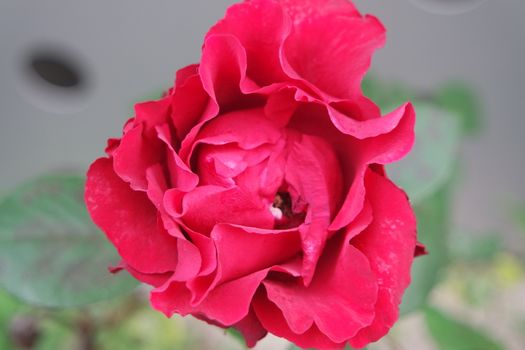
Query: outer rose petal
<point x="227" y="304"/>
<point x="382" y="149"/>
<point x="389" y="244"/>
<point x="223" y="67"/>
<point x="189" y="106"/>
<point x="129" y="220"/>
<point x="332" y="53"/>
<point x="134" y="156"/>
<point x="273" y="320"/>
<point x="185" y="73"/>
<point x="260" y="27"/>
<point x="340" y="300"/>
<point x="251" y="329"/>
<point x="300" y="10"/>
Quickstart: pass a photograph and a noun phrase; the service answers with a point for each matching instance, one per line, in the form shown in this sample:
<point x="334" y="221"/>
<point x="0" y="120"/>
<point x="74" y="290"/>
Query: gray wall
<point x="129" y="49"/>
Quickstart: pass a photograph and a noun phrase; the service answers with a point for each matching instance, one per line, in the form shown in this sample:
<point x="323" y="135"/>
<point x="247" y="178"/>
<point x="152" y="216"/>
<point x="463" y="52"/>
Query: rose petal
<point x="183" y="74"/>
<point x="223" y="67"/>
<point x="394" y="145"/>
<point x="260" y="27"/>
<point x="129" y="220"/>
<point x="274" y="322"/>
<point x="251" y="329"/>
<point x="363" y="120"/>
<point x="227" y="304"/>
<point x="134" y="156"/>
<point x="180" y="174"/>
<point x="152" y="113"/>
<point x="257" y="249"/>
<point x="190" y="105"/>
<point x="313" y="171"/>
<point x="389" y="244"/>
<point x="382" y="149"/>
<point x="206" y="206"/>
<point x="248" y="128"/>
<point x="344" y="276"/>
<point x="301" y="10"/>
<point x="333" y="53"/>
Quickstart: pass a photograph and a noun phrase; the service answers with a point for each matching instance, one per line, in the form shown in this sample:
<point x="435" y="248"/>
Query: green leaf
<point x="237" y="335"/>
<point x="51" y="254"/>
<point x="459" y="98"/>
<point x="433" y="228"/>
<point x="450" y="334"/>
<point x="431" y="162"/>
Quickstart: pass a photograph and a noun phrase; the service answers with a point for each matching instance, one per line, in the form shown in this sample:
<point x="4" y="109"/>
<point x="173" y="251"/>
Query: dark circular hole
<point x="56" y="70"/>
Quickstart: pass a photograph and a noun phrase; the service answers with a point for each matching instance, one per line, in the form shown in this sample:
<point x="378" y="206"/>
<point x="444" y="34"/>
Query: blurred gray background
<point x="122" y="51"/>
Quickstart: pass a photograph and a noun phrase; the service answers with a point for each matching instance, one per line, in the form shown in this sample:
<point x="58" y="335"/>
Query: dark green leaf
<point x="433" y="228"/>
<point x="450" y="334"/>
<point x="431" y="162"/>
<point x="50" y="252"/>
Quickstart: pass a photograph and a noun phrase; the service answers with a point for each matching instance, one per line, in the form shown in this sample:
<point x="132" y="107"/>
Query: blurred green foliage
<point x="51" y="254"/>
<point x="450" y="334"/>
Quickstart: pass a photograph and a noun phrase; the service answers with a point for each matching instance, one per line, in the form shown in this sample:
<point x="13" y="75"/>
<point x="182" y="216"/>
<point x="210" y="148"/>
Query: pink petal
<point x="222" y="68"/>
<point x="248" y="128"/>
<point x="395" y="144"/>
<point x="134" y="156"/>
<point x="273" y="320"/>
<point x="349" y="287"/>
<point x="129" y="220"/>
<point x="363" y="120"/>
<point x="206" y="206"/>
<point x="152" y="113"/>
<point x="227" y="304"/>
<point x="313" y="171"/>
<point x="333" y="53"/>
<point x="389" y="244"/>
<point x="180" y="175"/>
<point x="260" y="27"/>
<point x="189" y="106"/>
<point x="153" y="279"/>
<point x="301" y="10"/>
<point x="382" y="149"/>
<point x="251" y="329"/>
<point x="183" y="74"/>
<point x="257" y="249"/>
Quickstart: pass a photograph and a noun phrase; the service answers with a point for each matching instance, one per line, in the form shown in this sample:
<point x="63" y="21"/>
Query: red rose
<point x="253" y="194"/>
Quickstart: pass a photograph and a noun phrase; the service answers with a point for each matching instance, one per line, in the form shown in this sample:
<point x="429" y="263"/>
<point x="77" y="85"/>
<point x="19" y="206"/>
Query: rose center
<point x="283" y="213"/>
<point x="282" y="206"/>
